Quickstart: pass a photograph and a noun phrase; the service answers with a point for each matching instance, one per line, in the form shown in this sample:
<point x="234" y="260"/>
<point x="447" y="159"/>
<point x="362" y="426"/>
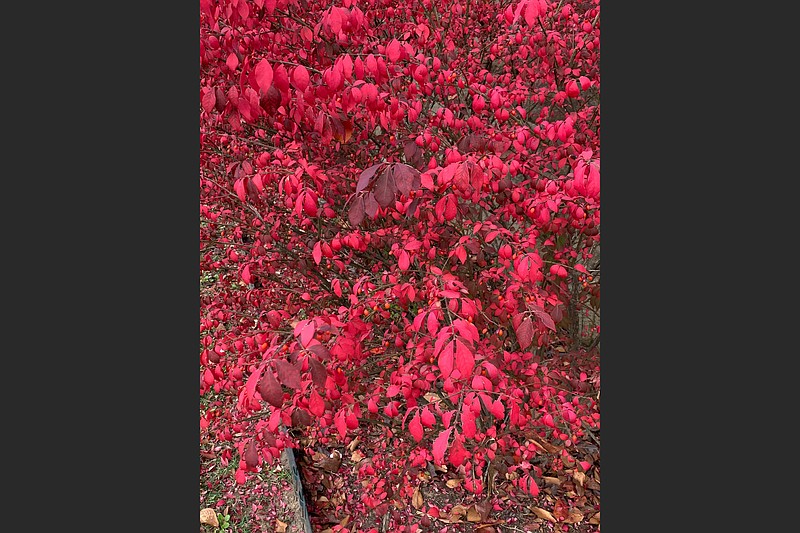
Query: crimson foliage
<point x="399" y="216"/>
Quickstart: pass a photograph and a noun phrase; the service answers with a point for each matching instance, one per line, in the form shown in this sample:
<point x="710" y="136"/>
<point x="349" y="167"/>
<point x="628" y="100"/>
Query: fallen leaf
<point x="484" y="508"/>
<point x="580" y="477"/>
<point x="574" y="517"/>
<point x="345" y="521"/>
<point x="280" y="527"/>
<point x="595" y="519"/>
<point x="485" y="529"/>
<point x="353" y="444"/>
<point x="457" y="512"/>
<point x="209" y="516"/>
<point x="541" y="513"/>
<point x="356" y="456"/>
<point x="473" y="515"/>
<point x="416" y="499"/>
<point x="453" y="483"/>
<point x="551" y="480"/>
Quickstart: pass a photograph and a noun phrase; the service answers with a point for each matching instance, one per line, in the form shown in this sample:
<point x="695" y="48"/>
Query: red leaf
<point x="465" y="361"/>
<point x="497" y="409"/>
<point x="440" y="446"/>
<point x="370" y="205"/>
<point x="246" y="277"/>
<point x="310" y="203"/>
<point x="468" y="427"/>
<point x="318" y="373"/>
<point x="288" y="374"/>
<point x="270" y="390"/>
<point x="307" y="333"/>
<point x="525" y="333"/>
<point x="238" y="186"/>
<point x="428" y="419"/>
<point x="445" y="361"/>
<point x="446" y="175"/>
<point x="251" y="454"/>
<point x="458" y="454"/>
<point x="232" y="61"/>
<point x="351" y="421"/>
<point x="363" y="180"/>
<point x="450" y="208"/>
<point x="341" y="424"/>
<point x="544" y="316"/>
<point x="356" y="213"/>
<point x="300" y="78"/>
<point x="209" y="100"/>
<point x="264" y="74"/>
<point x="384" y="189"/>
<point x="433" y="323"/>
<point x="393" y="51"/>
<point x="415" y="428"/>
<point x="404" y="261"/>
<point x="252" y="381"/>
<point x="316" y="404"/>
<point x="317" y="252"/>
<point x="404" y="177"/>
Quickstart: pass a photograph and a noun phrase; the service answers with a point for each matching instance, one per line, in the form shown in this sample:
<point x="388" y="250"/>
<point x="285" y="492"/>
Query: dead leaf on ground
<point x="541" y="513"/>
<point x="356" y="456"/>
<point x="345" y="521"/>
<point x="209" y="516"/>
<point x="473" y="515"/>
<point x="280" y="527"/>
<point x="574" y="517"/>
<point x="485" y="529"/>
<point x="457" y="512"/>
<point x="416" y="499"/>
<point x="595" y="519"/>
<point x="453" y="483"/>
<point x="551" y="480"/>
<point x="353" y="443"/>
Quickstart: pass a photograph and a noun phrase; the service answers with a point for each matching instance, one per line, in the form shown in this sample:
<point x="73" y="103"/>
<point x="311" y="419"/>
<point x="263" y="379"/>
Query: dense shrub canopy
<point x="399" y="217"/>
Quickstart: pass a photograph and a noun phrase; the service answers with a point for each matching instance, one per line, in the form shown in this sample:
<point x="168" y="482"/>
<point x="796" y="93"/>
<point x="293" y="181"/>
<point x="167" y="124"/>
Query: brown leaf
<point x="457" y="512"/>
<point x="473" y="515"/>
<point x="574" y="517"/>
<point x="209" y="516"/>
<point x="486" y="529"/>
<point x="595" y="519"/>
<point x="416" y="499"/>
<point x="453" y="483"/>
<point x="356" y="456"/>
<point x="541" y="513"/>
<point x="280" y="527"/>
<point x="580" y="477"/>
<point x="551" y="480"/>
<point x="353" y="443"/>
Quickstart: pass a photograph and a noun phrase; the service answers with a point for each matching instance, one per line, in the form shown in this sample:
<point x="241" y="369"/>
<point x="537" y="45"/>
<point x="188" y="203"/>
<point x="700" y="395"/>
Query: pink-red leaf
<point x="440" y="446"/>
<point x="264" y="75"/>
<point x="316" y="404"/>
<point x="384" y="189"/>
<point x="393" y="51"/>
<point x="525" y="333"/>
<point x="415" y="428"/>
<point x="300" y="78"/>
<point x="317" y="252"/>
<point x="404" y="261"/>
<point x="468" y="427"/>
<point x="445" y="361"/>
<point x="307" y="333"/>
<point x="465" y="361"/>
